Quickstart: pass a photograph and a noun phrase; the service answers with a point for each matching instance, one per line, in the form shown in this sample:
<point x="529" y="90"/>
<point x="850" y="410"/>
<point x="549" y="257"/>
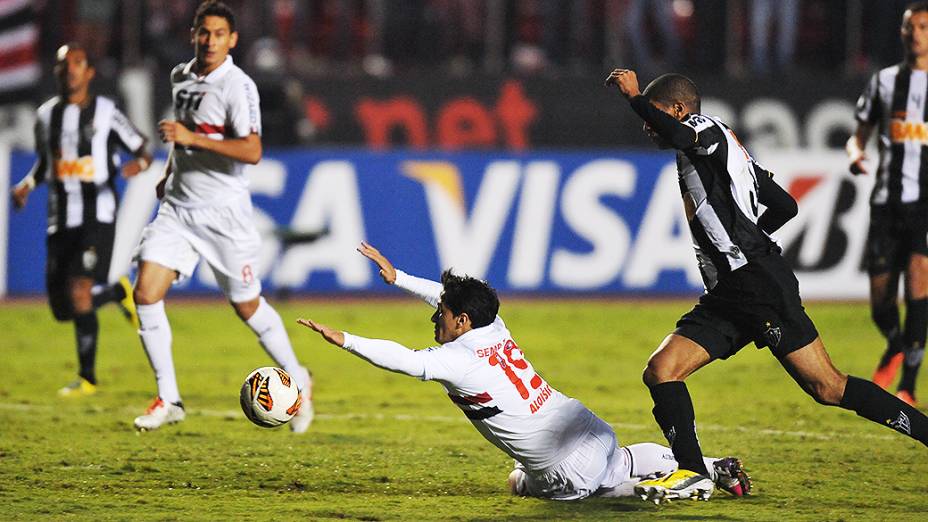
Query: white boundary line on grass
<point x="817" y="435"/>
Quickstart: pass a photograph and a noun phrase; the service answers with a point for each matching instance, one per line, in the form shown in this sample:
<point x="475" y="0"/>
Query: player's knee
<point x="145" y="296"/>
<point x="657" y="372"/>
<point x="828" y="391"/>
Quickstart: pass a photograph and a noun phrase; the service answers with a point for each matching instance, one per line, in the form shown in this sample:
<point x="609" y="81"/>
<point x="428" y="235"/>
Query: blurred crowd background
<point x="461" y="37"/>
<point x="311" y="56"/>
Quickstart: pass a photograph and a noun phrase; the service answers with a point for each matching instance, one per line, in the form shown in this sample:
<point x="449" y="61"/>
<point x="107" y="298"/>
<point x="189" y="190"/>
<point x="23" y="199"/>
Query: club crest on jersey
<point x="772" y="334"/>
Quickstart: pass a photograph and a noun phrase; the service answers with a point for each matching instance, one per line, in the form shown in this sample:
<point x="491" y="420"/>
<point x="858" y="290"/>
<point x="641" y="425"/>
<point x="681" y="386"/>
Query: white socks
<point x="272" y="335"/>
<point x="155" y="332"/>
<point x="648" y="458"/>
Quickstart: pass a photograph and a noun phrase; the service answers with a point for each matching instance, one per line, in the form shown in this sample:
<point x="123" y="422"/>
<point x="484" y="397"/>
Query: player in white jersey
<point x="562" y="450"/>
<point x="206" y="211"/>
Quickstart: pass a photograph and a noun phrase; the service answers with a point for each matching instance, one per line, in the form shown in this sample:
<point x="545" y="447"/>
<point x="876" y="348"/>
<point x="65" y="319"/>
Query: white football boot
<point x="160" y="413"/>
<point x="304" y="417"/>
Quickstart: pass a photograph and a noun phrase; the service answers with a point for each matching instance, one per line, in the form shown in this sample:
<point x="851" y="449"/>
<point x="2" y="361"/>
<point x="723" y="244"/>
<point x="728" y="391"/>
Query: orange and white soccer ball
<point x="270" y="397"/>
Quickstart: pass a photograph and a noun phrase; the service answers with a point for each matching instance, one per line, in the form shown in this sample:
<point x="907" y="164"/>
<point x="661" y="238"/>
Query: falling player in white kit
<point x="206" y="211"/>
<point x="562" y="450"/>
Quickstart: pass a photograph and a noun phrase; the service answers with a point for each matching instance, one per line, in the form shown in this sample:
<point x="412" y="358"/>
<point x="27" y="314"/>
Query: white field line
<point x="226" y="414"/>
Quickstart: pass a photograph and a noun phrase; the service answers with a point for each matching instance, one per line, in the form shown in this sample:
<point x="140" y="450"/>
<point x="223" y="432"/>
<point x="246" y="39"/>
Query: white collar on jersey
<point x="217" y="73"/>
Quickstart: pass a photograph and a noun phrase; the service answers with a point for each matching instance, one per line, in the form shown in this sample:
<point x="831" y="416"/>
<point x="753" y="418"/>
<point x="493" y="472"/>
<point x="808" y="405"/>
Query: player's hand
<point x="132" y="168"/>
<point x="626" y="80"/>
<point x="857" y="165"/>
<point x="333" y="336"/>
<point x="20" y="194"/>
<point x="387" y="272"/>
<point x="175" y="132"/>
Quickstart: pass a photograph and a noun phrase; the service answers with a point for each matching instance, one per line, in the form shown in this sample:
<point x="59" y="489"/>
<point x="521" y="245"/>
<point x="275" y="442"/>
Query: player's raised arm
<point x="388" y="355"/>
<point x="662" y="120"/>
<point x="425" y="289"/>
<point x="387" y="271"/>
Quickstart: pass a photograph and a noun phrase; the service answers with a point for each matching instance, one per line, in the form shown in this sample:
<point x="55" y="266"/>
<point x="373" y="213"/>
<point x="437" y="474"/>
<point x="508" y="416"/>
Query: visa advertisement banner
<point x="606" y="222"/>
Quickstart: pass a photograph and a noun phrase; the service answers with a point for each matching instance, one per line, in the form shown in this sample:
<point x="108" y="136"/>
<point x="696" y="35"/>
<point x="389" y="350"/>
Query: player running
<point x="893" y="101"/>
<point x="562" y="450"/>
<point x="751" y="292"/>
<point x="77" y="135"/>
<point x="206" y="211"/>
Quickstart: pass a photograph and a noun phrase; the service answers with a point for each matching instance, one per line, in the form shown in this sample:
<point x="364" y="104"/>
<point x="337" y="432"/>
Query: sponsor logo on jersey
<point x="902" y="131"/>
<point x="80" y="168"/>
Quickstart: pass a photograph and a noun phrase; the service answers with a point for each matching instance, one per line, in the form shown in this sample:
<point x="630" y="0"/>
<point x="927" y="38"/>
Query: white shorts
<point x="596" y="463"/>
<point x="224" y="236"/>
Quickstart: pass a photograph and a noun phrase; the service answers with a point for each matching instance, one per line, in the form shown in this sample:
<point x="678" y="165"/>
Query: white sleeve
<point x="128" y="135"/>
<point x="425" y="289"/>
<point x="422" y="364"/>
<point x="244" y="108"/>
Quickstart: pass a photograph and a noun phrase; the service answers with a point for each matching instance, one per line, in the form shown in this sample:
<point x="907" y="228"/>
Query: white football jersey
<point x="487" y="375"/>
<point x="222" y="104"/>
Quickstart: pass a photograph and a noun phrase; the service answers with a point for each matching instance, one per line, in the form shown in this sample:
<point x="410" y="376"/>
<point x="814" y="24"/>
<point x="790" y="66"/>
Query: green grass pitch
<point x="388" y="447"/>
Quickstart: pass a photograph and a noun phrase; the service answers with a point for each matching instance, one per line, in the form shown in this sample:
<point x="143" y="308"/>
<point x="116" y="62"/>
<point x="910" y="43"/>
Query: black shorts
<point x="757" y="303"/>
<point x="76" y="252"/>
<point x="896" y="232"/>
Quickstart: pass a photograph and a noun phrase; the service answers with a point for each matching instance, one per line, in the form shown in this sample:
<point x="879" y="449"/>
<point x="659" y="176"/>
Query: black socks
<point x="916" y="328"/>
<point x="86" y="328"/>
<point x="673" y="410"/>
<point x="872" y="402"/>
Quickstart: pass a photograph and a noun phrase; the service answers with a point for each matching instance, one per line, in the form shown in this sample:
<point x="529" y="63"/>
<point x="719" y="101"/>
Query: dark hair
<point x="75" y="46"/>
<point x="671" y="88"/>
<point x="911" y="9"/>
<point x="464" y="294"/>
<point x="214" y="8"/>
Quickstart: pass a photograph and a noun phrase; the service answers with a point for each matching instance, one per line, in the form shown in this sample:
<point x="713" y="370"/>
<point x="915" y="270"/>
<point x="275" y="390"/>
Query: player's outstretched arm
<point x="388" y="355"/>
<point x="387" y="271"/>
<point x="331" y="335"/>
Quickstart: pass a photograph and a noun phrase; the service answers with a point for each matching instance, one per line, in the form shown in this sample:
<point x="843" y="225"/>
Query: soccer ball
<point x="270" y="397"/>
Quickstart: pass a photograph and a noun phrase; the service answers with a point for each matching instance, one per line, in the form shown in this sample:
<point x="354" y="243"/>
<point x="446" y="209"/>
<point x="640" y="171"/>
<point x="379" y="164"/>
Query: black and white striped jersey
<point x="76" y="149"/>
<point x="895" y="101"/>
<point x="720" y="196"/>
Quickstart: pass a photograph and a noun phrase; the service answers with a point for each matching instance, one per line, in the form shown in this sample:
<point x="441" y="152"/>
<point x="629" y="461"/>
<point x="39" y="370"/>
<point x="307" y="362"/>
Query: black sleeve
<point x="678" y="135"/>
<point x="781" y="207"/>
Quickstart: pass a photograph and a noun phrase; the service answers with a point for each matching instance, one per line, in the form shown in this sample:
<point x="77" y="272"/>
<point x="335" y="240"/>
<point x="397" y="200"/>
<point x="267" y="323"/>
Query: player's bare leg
<point x="675" y="360"/>
<point x="265" y="322"/>
<point x="884" y="310"/>
<point x="916" y="325"/>
<point x="813" y="370"/>
<point x="86" y="330"/>
<point x="154" y="281"/>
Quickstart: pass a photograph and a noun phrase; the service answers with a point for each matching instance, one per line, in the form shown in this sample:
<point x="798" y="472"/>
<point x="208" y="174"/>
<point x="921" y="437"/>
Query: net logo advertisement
<point x="546" y="223"/>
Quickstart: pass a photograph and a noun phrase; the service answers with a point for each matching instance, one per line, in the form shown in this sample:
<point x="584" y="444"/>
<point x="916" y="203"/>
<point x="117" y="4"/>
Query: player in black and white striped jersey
<point x="77" y="137"/>
<point x="751" y="293"/>
<point x="895" y="104"/>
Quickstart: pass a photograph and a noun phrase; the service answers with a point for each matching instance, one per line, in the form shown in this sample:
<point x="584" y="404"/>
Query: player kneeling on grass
<point x="562" y="450"/>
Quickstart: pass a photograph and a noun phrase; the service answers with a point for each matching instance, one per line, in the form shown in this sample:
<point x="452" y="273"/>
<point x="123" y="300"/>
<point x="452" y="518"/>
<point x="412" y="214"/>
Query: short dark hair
<point x="74" y="45"/>
<point x="214" y="8"/>
<point x="917" y="7"/>
<point x="465" y="294"/>
<point x="671" y="88"/>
